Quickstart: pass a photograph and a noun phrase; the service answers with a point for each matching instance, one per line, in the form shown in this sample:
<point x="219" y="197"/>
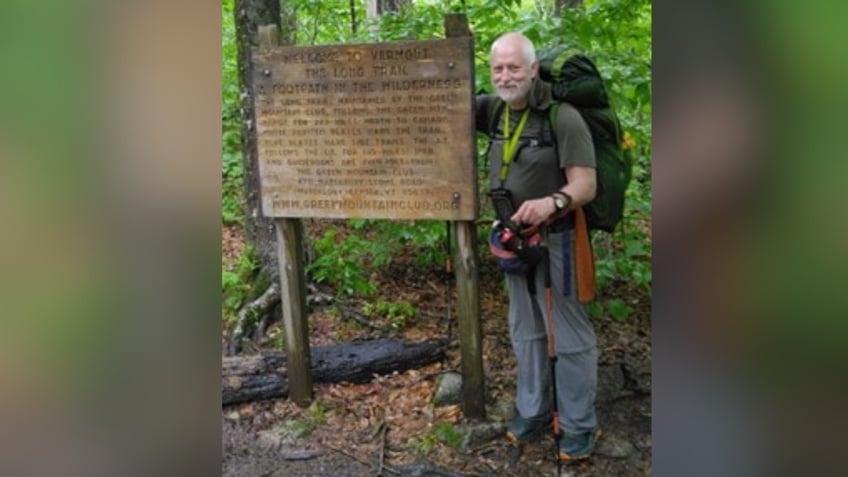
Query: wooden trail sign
<point x="380" y="130"/>
<point x="376" y="131"/>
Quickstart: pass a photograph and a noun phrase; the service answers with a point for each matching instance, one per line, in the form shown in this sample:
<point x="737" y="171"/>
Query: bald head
<point x="515" y="41"/>
<point x="513" y="66"/>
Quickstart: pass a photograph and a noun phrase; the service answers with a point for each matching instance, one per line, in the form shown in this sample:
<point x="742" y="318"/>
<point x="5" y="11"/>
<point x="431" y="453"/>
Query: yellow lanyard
<point x="509" y="146"/>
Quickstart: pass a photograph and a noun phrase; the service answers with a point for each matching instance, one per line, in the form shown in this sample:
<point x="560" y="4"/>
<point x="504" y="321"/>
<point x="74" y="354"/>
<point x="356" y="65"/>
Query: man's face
<point x="512" y="75"/>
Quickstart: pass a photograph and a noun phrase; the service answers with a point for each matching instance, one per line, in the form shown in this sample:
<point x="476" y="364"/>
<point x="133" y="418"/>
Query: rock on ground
<point x="449" y="390"/>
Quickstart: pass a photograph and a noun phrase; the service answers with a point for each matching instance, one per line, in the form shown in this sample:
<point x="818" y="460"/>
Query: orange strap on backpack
<point x="583" y="258"/>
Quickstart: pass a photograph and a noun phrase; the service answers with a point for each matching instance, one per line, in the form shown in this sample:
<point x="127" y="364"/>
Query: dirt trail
<point x="351" y="426"/>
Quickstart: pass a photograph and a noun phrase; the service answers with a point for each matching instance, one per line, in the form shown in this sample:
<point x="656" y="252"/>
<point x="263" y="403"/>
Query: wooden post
<point x="468" y="286"/>
<point x="292" y="284"/>
<point x="293" y="300"/>
<point x="470" y="332"/>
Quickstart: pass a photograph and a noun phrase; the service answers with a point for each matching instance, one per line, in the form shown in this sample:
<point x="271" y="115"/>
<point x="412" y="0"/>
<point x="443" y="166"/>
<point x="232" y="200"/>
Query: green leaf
<point x="595" y="309"/>
<point x="618" y="309"/>
<point x="446" y="433"/>
<point x="635" y="248"/>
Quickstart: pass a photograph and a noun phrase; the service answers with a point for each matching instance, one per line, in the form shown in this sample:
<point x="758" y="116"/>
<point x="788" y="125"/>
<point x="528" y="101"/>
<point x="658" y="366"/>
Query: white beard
<point x="510" y="91"/>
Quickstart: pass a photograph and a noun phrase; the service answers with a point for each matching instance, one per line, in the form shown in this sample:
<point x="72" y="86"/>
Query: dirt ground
<point x="628" y="419"/>
<point x="390" y="425"/>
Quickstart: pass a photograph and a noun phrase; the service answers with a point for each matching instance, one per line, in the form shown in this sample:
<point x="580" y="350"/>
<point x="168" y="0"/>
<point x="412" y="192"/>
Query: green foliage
<point x="232" y="171"/>
<point x="615" y="33"/>
<point x="342" y="262"/>
<point x="595" y="309"/>
<point x="229" y="56"/>
<point x="231" y="188"/>
<point x="303" y="427"/>
<point x="447" y="434"/>
<point x="628" y="259"/>
<point x="397" y="312"/>
<point x="624" y="258"/>
<point x="322" y="23"/>
<point x="424" y="444"/>
<point x="316" y="413"/>
<point x="443" y="432"/>
<point x="277" y="337"/>
<point x="347" y="262"/>
<point x="237" y="284"/>
<point x="618" y="309"/>
<point x="426" y="237"/>
<point x="412" y="22"/>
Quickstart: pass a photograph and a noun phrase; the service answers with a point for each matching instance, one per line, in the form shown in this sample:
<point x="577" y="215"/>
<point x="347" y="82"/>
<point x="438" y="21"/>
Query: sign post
<point x="468" y="286"/>
<point x="292" y="280"/>
<point x="381" y="131"/>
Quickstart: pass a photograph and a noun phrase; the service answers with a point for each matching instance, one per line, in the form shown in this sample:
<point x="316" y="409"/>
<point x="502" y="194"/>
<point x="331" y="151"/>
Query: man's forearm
<point x="581" y="186"/>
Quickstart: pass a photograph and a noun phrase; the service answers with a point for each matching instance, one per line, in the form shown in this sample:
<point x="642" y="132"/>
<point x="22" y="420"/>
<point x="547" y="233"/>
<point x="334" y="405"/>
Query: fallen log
<point x="253" y="378"/>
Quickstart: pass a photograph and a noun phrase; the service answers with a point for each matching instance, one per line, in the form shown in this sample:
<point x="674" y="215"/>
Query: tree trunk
<point x="560" y="4"/>
<point x="372" y="8"/>
<point x="375" y="8"/>
<point x="249" y="15"/>
<point x="353" y="17"/>
<point x="251" y="378"/>
<point x="392" y="5"/>
<point x="288" y="22"/>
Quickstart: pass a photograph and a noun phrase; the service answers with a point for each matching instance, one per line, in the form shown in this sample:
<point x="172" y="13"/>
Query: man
<point x="543" y="179"/>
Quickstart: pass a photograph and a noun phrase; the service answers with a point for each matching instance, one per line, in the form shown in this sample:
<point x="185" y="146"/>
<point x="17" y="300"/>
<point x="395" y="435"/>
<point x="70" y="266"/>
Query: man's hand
<point x="534" y="212"/>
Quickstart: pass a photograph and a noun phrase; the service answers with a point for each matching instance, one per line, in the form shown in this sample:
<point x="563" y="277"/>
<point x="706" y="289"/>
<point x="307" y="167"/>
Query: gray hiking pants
<point x="577" y="356"/>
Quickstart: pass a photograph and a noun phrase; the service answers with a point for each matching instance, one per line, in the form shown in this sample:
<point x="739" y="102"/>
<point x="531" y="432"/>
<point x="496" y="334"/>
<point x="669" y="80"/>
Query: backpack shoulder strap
<point x="497" y="111"/>
<point x="553" y="111"/>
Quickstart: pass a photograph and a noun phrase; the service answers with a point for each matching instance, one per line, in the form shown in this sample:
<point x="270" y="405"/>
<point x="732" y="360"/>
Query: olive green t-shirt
<point x="535" y="171"/>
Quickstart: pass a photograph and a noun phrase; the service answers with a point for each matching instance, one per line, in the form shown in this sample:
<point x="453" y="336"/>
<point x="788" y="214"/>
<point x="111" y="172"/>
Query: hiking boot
<point x="577" y="446"/>
<point x="524" y="429"/>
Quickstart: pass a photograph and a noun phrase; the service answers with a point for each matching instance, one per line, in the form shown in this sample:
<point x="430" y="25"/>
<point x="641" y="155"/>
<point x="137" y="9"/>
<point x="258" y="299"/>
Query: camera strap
<point x="511" y="142"/>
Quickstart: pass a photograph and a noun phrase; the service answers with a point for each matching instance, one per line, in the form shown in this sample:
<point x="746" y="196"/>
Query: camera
<point x="527" y="249"/>
<point x="502" y="203"/>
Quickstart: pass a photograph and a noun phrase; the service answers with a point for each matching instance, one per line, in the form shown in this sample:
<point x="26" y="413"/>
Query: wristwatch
<point x="560" y="201"/>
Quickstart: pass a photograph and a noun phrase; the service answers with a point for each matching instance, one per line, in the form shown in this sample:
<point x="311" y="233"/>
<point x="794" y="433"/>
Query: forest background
<point x="616" y="34"/>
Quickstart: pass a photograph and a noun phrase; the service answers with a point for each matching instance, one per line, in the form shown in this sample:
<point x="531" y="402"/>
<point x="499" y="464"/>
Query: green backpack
<point x="575" y="79"/>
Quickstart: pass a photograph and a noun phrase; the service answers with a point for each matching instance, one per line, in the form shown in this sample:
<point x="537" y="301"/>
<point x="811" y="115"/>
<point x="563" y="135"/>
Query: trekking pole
<point x="552" y="356"/>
